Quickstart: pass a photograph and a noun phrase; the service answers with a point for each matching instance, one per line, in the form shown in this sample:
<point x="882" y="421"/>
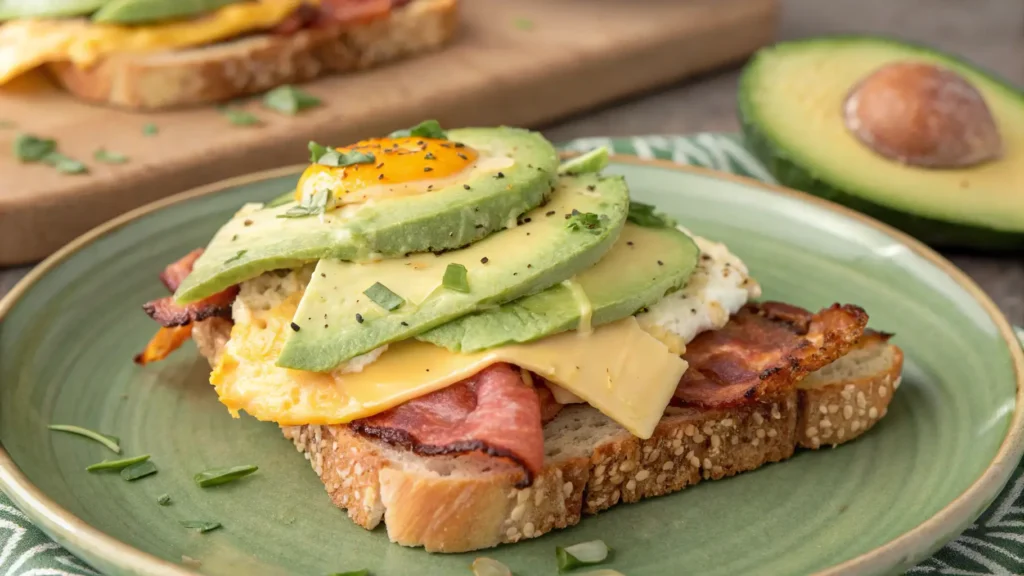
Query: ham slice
<point x="493" y="412"/>
<point x="169" y="313"/>
<point x="764" y="349"/>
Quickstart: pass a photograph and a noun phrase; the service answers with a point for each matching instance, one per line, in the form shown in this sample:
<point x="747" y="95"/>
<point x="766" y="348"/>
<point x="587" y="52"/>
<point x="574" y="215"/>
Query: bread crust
<point x="253" y="64"/>
<point x="463" y="503"/>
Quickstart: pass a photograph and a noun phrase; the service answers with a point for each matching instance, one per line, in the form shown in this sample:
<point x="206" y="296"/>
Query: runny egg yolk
<point x="401" y="166"/>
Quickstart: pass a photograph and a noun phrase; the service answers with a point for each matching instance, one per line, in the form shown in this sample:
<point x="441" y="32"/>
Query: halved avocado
<point x="642" y="266"/>
<point x="337" y="320"/>
<point x="791" y="106"/>
<point x="258" y="240"/>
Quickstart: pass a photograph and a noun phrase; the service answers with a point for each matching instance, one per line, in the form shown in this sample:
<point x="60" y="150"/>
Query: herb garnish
<point x="164" y="499"/>
<point x="240" y="117"/>
<point x="585" y="221"/>
<point x="645" y="215"/>
<point x="582" y="554"/>
<point x="312" y="206"/>
<point x="140" y="470"/>
<point x="223" y="475"/>
<point x="455" y="278"/>
<point x="524" y="23"/>
<point x="64" y="164"/>
<point x="29" y="148"/>
<point x="109" y="156"/>
<point x="289" y="100"/>
<point x="117" y="464"/>
<point x="337" y="159"/>
<point x="6" y="124"/>
<point x="383" y="297"/>
<point x="150" y="130"/>
<point x="238" y="255"/>
<point x="111" y="442"/>
<point x="201" y="526"/>
<point x="425" y="129"/>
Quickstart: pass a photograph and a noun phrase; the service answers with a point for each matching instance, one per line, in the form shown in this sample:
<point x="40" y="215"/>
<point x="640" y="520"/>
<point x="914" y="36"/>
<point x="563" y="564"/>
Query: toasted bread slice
<point x="252" y="64"/>
<point x="468" y="502"/>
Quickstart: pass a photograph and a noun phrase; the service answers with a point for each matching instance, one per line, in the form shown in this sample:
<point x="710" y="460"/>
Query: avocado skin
<point x="642" y="266"/>
<point x="352" y="326"/>
<point x="787" y="172"/>
<point x="445" y="219"/>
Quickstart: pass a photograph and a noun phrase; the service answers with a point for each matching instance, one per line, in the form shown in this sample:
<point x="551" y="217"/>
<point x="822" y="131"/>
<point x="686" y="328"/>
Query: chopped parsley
<point x="223" y="475"/>
<point x="238" y="255"/>
<point x="313" y="206"/>
<point x="29" y="148"/>
<point x="336" y="159"/>
<point x="425" y="129"/>
<point x="383" y="297"/>
<point x="6" y="124"/>
<point x="111" y="442"/>
<point x="200" y="526"/>
<point x="289" y="100"/>
<point x="150" y="130"/>
<point x="645" y="215"/>
<point x="240" y="117"/>
<point x="64" y="164"/>
<point x="140" y="470"/>
<point x="524" y="23"/>
<point x="109" y="156"/>
<point x="585" y="221"/>
<point x="456" y="278"/>
<point x="117" y="464"/>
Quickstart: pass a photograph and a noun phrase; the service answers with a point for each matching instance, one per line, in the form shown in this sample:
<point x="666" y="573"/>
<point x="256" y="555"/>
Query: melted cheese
<point x="26" y="44"/>
<point x="619" y="369"/>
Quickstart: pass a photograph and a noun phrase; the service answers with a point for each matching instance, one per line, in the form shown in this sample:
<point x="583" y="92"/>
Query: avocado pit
<point x="922" y="115"/>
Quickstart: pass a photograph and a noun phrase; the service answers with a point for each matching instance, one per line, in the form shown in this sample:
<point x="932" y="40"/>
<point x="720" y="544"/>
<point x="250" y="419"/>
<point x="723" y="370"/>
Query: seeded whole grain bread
<point x="468" y="502"/>
<point x="256" y="63"/>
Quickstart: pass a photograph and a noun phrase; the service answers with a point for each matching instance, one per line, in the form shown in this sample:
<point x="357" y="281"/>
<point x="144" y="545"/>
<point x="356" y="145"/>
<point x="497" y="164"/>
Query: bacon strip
<point x="765" y="348"/>
<point x="169" y="313"/>
<point x="165" y="341"/>
<point x="493" y="412"/>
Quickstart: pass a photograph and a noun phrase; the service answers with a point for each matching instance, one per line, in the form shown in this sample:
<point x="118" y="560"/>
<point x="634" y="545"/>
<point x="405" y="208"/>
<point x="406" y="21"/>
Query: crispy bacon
<point x="169" y="313"/>
<point x="765" y="348"/>
<point x="493" y="412"/>
<point x="165" y="341"/>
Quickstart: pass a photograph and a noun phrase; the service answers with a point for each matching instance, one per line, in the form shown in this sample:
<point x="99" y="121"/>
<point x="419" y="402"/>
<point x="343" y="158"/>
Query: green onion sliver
<point x="489" y="567"/>
<point x="140" y="470"/>
<point x="117" y="464"/>
<point x="582" y="554"/>
<point x="200" y="526"/>
<point x="223" y="475"/>
<point x="111" y="442"/>
<point x="383" y="297"/>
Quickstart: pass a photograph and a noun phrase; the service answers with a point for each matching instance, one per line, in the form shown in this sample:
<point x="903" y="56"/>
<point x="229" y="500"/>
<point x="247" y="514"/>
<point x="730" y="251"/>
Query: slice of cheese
<point x="26" y="44"/>
<point x="618" y="368"/>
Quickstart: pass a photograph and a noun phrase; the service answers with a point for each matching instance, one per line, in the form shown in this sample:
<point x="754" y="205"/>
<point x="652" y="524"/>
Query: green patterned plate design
<point x="879" y="505"/>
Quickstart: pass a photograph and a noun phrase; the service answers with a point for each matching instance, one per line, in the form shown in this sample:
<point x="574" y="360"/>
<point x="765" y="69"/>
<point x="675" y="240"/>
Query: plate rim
<point x="958" y="513"/>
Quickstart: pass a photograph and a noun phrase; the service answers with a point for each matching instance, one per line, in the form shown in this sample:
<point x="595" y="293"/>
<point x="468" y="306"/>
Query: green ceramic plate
<point x="949" y="443"/>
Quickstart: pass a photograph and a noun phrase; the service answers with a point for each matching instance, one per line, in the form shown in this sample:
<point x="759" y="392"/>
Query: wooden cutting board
<point x="515" y="62"/>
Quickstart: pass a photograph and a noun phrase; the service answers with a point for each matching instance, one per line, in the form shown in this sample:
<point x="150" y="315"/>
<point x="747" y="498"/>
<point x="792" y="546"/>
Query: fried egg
<point x="400" y="167"/>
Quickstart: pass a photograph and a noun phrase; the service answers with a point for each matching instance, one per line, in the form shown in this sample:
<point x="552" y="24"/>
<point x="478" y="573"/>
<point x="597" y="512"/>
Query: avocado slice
<point x="642" y="266"/>
<point x="147" y="11"/>
<point x="258" y="240"/>
<point x="16" y="9"/>
<point x="791" y="100"/>
<point x="337" y="321"/>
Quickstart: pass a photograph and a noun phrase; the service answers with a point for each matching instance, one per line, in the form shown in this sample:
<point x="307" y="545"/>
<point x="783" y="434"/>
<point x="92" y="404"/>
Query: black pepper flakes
<point x="466" y="186"/>
<point x="430" y="156"/>
<point x="295" y="326"/>
<point x="527" y="220"/>
<point x="499" y="175"/>
<point x="359" y="318"/>
<point x="591" y="187"/>
<point x="550" y="213"/>
<point x="404" y="323"/>
<point x="428" y="169"/>
<point x="629" y="242"/>
<point x="460" y="145"/>
<point x="247" y="222"/>
<point x="380" y="176"/>
<point x="484" y="260"/>
<point x="322" y="275"/>
<point x="660" y="263"/>
<point x="529" y="265"/>
<point x="461" y="155"/>
<point x="235" y="237"/>
<point x="379" y="166"/>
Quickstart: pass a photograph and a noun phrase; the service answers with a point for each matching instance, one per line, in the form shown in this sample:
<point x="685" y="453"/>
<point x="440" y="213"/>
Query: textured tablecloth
<point x="992" y="546"/>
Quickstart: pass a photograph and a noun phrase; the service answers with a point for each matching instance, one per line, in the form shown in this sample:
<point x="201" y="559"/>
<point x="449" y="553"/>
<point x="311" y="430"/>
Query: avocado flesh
<point x="17" y="9"/>
<point x="256" y="241"/>
<point x="338" y="322"/>
<point x="642" y="266"/>
<point x="147" y="11"/>
<point x="790" y="105"/>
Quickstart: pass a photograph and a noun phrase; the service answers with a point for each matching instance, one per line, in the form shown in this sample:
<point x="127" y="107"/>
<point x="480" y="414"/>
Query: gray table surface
<point x="989" y="32"/>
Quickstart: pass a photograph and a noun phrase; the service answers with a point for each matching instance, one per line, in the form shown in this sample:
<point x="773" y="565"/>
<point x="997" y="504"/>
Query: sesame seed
<point x="642" y="475"/>
<point x="873" y="413"/>
<point x="847" y="411"/>
<point x="833" y="408"/>
<point x="823" y="409"/>
<point x="758" y="419"/>
<point x="698" y="438"/>
<point x="707" y="463"/>
<point x="631" y="485"/>
<point x="825" y="423"/>
<point x="755" y="442"/>
<point x="759" y="433"/>
<point x="772" y="433"/>
<point x="567" y="489"/>
<point x="812" y="431"/>
<point x="882" y="391"/>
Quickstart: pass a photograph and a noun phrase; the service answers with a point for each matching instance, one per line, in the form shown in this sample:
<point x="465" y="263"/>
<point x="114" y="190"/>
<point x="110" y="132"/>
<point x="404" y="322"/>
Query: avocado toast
<point x="579" y="351"/>
<point x="157" y="54"/>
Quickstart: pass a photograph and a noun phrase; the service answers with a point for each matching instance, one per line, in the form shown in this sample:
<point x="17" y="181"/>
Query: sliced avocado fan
<point x="258" y="240"/>
<point x="15" y="9"/>
<point x="643" y="265"/>
<point x="792" y="101"/>
<point x="147" y="11"/>
<point x="343" y="315"/>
